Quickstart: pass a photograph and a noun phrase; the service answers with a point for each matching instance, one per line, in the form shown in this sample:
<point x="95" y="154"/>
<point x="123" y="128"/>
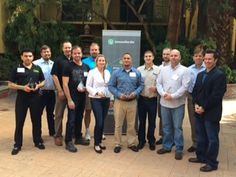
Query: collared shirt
<point x="22" y="75"/>
<point x="194" y="70"/>
<point x="163" y="64"/>
<point x="46" y="67"/>
<point x="96" y="83"/>
<point x="174" y="81"/>
<point x="123" y="82"/>
<point x="150" y="76"/>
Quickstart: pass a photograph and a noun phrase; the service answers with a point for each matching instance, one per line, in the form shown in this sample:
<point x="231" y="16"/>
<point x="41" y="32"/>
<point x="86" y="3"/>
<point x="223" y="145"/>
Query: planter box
<point x="231" y="92"/>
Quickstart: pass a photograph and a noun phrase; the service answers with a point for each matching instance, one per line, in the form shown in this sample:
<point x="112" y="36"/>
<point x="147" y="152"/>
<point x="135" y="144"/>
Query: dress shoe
<point x="58" y="141"/>
<point x="158" y="142"/>
<point x="134" y="148"/>
<point x="40" y="146"/>
<point x="15" y="150"/>
<point x="152" y="147"/>
<point x="141" y="145"/>
<point x="178" y="155"/>
<point x="195" y="160"/>
<point x="102" y="146"/>
<point x="82" y="141"/>
<point x="117" y="149"/>
<point x="98" y="149"/>
<point x="191" y="149"/>
<point x="207" y="168"/>
<point x="163" y="151"/>
<point x="71" y="147"/>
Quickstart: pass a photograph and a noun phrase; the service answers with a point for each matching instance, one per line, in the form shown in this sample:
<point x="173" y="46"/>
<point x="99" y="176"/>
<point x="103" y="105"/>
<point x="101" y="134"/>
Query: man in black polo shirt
<point x="74" y="81"/>
<point x="27" y="78"/>
<point x="60" y="106"/>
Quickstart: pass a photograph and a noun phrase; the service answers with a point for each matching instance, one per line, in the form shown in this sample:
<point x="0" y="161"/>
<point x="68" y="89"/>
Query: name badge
<point x="20" y="70"/>
<point x="132" y="74"/>
<point x="175" y="77"/>
<point x="85" y="74"/>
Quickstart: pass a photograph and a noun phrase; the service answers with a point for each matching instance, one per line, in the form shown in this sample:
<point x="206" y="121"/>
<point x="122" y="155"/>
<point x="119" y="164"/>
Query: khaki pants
<point x="59" y="113"/>
<point x="122" y="110"/>
<point x="192" y="119"/>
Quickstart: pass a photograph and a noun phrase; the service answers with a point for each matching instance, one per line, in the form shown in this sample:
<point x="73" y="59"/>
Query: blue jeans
<point x="74" y="119"/>
<point x="207" y="141"/>
<point x="100" y="109"/>
<point x="147" y="106"/>
<point x="172" y="120"/>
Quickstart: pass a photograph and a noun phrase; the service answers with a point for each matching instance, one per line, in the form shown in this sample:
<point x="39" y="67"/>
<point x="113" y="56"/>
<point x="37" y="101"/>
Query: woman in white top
<point x="96" y="85"/>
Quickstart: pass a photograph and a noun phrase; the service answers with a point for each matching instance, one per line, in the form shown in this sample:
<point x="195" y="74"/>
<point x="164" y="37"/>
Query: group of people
<point x="88" y="84"/>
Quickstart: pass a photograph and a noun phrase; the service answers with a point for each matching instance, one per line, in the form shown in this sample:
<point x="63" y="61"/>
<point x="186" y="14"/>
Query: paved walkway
<point x="57" y="162"/>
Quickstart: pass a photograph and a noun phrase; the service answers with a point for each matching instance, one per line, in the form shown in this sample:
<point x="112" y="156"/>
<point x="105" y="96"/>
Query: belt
<point x="148" y="98"/>
<point x="129" y="100"/>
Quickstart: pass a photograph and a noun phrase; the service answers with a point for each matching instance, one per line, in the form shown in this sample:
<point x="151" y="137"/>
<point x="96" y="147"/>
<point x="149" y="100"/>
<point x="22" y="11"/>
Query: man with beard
<point x="47" y="92"/>
<point x="74" y="81"/>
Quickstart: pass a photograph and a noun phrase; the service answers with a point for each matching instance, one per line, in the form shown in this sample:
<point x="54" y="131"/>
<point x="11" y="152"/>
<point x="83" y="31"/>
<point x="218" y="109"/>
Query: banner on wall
<point x="114" y="44"/>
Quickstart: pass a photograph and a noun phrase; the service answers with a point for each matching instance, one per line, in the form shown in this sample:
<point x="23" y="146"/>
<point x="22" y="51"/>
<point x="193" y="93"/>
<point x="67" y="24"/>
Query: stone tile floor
<point x="57" y="162"/>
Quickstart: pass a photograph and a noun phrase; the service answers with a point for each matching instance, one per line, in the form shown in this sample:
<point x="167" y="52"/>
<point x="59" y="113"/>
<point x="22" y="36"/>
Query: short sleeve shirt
<point x="22" y="75"/>
<point x="76" y="75"/>
<point x="58" y="66"/>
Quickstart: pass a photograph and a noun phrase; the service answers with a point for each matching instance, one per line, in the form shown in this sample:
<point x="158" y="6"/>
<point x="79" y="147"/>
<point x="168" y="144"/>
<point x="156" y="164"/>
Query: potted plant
<point x="231" y="82"/>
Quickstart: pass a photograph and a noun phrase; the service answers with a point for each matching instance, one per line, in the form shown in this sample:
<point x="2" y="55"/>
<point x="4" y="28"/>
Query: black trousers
<point x="147" y="109"/>
<point x="23" y="102"/>
<point x="48" y="100"/>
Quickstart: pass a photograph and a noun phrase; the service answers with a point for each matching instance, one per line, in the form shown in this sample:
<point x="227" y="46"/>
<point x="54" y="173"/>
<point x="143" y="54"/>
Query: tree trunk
<point x="174" y="22"/>
<point x="202" y="19"/>
<point x="220" y="28"/>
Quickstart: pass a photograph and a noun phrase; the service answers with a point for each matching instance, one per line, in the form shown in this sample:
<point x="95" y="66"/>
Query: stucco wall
<point x="3" y="22"/>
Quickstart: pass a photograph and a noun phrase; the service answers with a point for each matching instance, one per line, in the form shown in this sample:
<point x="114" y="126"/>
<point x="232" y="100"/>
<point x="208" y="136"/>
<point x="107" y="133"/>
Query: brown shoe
<point x="58" y="141"/>
<point x="163" y="151"/>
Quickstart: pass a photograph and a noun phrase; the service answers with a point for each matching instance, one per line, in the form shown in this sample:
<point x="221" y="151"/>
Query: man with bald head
<point x="172" y="84"/>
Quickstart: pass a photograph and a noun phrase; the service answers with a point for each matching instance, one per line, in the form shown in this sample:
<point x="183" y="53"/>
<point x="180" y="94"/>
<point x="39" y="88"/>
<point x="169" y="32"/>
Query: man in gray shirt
<point x="172" y="84"/>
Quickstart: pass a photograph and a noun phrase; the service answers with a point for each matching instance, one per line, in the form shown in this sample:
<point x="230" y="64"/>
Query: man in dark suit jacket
<point x="207" y="95"/>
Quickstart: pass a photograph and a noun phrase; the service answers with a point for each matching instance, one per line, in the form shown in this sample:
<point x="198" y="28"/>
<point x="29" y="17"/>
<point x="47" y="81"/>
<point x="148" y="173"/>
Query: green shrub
<point x="186" y="58"/>
<point x="230" y="74"/>
<point x="7" y="62"/>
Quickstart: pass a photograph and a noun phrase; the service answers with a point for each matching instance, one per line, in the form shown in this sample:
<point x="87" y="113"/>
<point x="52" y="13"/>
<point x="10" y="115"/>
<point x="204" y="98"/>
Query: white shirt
<point x="46" y="67"/>
<point x="96" y="83"/>
<point x="174" y="81"/>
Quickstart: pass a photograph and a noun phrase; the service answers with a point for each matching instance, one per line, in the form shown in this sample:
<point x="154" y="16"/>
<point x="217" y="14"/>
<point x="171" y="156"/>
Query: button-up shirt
<point x="174" y="81"/>
<point x="194" y="70"/>
<point x="126" y="82"/>
<point x="150" y="76"/>
<point x="96" y="83"/>
<point x="163" y="64"/>
<point x="46" y="67"/>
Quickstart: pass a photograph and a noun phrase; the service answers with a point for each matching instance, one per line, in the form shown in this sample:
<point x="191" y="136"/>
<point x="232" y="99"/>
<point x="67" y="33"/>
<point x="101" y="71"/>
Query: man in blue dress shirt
<point x="48" y="97"/>
<point x="125" y="84"/>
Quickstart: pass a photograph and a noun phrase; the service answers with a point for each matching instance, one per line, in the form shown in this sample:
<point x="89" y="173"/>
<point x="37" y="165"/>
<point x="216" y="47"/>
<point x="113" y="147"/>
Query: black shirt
<point x="57" y="69"/>
<point x="76" y="74"/>
<point x="21" y="75"/>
